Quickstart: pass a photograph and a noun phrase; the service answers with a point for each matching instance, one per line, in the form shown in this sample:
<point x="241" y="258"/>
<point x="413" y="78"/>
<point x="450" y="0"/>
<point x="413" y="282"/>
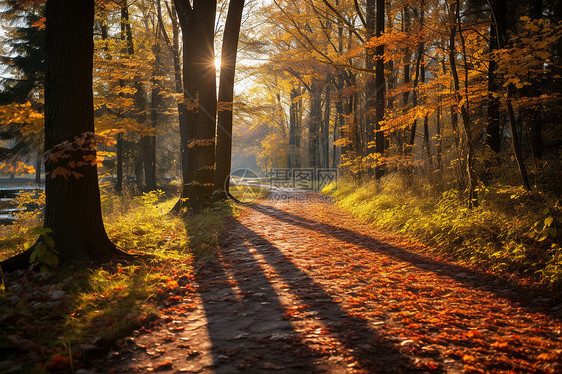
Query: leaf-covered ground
<point x="302" y="287"/>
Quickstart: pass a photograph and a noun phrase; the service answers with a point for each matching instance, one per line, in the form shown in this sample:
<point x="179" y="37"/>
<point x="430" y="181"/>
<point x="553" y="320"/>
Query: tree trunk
<point x="516" y="145"/>
<point x="406" y="78"/>
<point x="149" y="141"/>
<point x="292" y="160"/>
<point x="439" y="151"/>
<point x="426" y="137"/>
<point x="198" y="131"/>
<point x="472" y="199"/>
<point x="410" y="146"/>
<point x="380" y="87"/>
<point x="315" y="123"/>
<point x="339" y="123"/>
<point x="126" y="35"/>
<point x="535" y="121"/>
<point x="497" y="31"/>
<point x="72" y="210"/>
<point x="38" y="164"/>
<point x="325" y="136"/>
<point x="226" y="95"/>
<point x="371" y="80"/>
<point x="174" y="49"/>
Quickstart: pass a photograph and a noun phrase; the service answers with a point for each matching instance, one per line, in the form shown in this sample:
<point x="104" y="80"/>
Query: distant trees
<point x="21" y="96"/>
<point x="449" y="89"/>
<point x="134" y="91"/>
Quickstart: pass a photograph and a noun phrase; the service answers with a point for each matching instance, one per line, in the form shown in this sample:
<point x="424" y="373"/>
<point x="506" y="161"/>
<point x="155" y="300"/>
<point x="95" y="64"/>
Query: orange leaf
<point x="40" y="24"/>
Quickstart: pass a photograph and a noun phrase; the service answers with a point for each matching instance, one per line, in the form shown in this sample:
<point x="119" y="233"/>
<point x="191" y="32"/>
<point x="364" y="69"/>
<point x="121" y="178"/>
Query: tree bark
<point x="315" y="123"/>
<point x="535" y="121"/>
<point x="371" y="80"/>
<point x="380" y="87"/>
<point x="226" y="95"/>
<point x="497" y="32"/>
<point x="126" y="36"/>
<point x="472" y="198"/>
<point x="149" y="141"/>
<point x="410" y="146"/>
<point x="198" y="131"/>
<point x="294" y="130"/>
<point x="325" y="133"/>
<point x="207" y="109"/>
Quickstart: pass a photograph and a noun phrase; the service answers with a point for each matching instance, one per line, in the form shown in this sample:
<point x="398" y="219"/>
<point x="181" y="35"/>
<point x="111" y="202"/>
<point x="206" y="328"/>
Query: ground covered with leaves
<point x="300" y="286"/>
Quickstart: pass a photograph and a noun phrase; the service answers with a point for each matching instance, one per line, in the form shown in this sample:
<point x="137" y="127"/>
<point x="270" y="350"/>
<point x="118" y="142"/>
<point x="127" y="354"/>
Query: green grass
<point x="511" y="232"/>
<point x="103" y="305"/>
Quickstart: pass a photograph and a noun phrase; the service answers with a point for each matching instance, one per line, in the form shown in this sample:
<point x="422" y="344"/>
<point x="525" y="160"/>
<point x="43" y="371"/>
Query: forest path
<point x="302" y="287"/>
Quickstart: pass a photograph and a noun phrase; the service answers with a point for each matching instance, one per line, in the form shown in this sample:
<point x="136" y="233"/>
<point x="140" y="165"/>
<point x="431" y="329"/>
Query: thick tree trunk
<point x="72" y="211"/>
<point x="198" y="131"/>
<point x="226" y="95"/>
<point x="206" y="113"/>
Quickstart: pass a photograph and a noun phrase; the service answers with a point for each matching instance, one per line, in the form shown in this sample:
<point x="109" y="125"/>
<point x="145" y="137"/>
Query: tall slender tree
<point x="226" y="95"/>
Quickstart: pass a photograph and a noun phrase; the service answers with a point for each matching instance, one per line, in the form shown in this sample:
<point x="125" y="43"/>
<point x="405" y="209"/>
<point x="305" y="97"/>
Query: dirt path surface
<point x="301" y="287"/>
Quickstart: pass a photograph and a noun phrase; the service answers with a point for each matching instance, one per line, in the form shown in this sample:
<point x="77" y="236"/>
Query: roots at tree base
<point x="87" y="253"/>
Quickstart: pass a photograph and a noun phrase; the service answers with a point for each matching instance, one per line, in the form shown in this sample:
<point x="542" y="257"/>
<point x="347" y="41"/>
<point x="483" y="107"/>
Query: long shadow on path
<point x="530" y="298"/>
<point x="263" y="279"/>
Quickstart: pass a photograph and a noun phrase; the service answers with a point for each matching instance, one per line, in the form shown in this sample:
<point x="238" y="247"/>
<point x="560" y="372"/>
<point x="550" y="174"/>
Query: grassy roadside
<point x="511" y="232"/>
<point x="52" y="321"/>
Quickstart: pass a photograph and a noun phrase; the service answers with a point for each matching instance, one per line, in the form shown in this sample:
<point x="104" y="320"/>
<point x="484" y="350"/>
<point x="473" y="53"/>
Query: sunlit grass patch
<point x="248" y="193"/>
<point x="511" y="232"/>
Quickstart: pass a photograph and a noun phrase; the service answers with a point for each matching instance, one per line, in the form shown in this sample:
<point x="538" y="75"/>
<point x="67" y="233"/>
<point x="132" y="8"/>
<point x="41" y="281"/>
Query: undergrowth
<point x="86" y="309"/>
<point x="512" y="231"/>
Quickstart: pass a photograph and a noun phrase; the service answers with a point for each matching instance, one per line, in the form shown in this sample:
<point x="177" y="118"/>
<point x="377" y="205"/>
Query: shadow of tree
<point x="528" y="297"/>
<point x="264" y="281"/>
